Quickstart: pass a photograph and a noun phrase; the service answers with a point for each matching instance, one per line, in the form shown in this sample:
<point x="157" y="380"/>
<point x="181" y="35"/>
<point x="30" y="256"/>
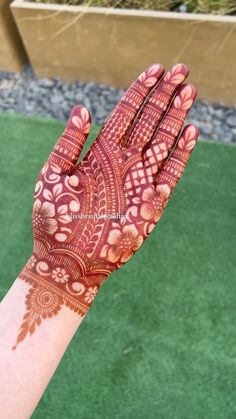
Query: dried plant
<point x="220" y="7"/>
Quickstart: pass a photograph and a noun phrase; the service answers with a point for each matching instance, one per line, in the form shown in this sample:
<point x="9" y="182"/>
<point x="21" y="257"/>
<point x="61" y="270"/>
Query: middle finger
<point x="156" y="106"/>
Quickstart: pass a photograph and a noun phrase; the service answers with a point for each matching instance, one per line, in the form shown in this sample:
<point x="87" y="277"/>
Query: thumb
<point x="69" y="146"/>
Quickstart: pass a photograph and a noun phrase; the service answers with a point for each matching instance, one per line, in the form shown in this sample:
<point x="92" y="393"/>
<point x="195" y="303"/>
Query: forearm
<point x="26" y="371"/>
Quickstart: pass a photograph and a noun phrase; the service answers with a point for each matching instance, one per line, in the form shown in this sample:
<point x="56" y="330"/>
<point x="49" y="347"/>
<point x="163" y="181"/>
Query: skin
<point x="28" y="370"/>
<point x="143" y="139"/>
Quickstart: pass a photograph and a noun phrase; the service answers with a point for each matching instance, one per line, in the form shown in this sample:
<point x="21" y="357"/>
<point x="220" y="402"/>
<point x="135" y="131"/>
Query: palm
<point x="106" y="206"/>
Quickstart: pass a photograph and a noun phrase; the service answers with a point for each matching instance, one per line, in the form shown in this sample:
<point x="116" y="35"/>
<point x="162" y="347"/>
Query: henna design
<point x="89" y="219"/>
<point x="169" y="129"/>
<point x="40" y="304"/>
<point x="156" y="105"/>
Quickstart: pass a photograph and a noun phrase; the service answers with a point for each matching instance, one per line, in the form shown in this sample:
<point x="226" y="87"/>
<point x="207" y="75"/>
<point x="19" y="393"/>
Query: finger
<point x="69" y="146"/>
<point x="175" y="165"/>
<point x="121" y="118"/>
<point x="156" y="106"/>
<point x="169" y="130"/>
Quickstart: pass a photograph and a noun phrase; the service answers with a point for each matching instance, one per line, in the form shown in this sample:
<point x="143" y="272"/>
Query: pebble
<point x="46" y="83"/>
<point x="206" y="129"/>
<point x="23" y="93"/>
<point x="233" y="133"/>
<point x="228" y="137"/>
<point x="218" y="114"/>
<point x="231" y="120"/>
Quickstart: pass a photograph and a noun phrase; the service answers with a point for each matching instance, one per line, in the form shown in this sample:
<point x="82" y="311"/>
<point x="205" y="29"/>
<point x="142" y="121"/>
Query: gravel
<point x="23" y="93"/>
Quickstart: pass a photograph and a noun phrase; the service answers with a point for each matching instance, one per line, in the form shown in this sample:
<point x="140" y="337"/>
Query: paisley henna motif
<point x="89" y="219"/>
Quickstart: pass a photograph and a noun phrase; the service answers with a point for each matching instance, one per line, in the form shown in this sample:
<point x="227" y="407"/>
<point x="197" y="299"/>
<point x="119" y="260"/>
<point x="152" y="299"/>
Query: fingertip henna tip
<point x="194" y="89"/>
<point x="155" y="67"/>
<point x="151" y="75"/>
<point x="192" y="128"/>
<point x="189" y="138"/>
<point x="80" y="119"/>
<point x="79" y="110"/>
<point x="184" y="85"/>
<point x="187" y="90"/>
<point x="181" y="67"/>
<point x="76" y="109"/>
<point x="185" y="68"/>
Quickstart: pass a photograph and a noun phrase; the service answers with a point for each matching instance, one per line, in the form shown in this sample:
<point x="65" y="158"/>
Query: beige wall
<point x="12" y="54"/>
<point x="114" y="48"/>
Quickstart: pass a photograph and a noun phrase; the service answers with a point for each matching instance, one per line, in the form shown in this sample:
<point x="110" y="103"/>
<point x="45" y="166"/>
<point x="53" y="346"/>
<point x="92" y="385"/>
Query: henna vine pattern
<point x="90" y="218"/>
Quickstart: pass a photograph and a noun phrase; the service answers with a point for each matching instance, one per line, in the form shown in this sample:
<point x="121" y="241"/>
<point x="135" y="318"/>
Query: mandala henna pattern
<point x="89" y="219"/>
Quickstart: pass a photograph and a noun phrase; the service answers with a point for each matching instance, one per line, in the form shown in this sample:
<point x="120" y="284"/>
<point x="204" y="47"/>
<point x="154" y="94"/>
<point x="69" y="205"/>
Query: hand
<point x="90" y="218"/>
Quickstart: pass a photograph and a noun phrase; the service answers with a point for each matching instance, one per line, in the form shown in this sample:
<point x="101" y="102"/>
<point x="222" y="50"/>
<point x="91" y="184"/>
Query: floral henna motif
<point x="122" y="243"/>
<point x="153" y="202"/>
<point x="89" y="219"/>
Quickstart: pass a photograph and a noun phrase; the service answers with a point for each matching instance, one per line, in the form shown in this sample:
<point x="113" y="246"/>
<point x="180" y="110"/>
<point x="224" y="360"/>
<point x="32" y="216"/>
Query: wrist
<point x="55" y="286"/>
<point x="58" y="277"/>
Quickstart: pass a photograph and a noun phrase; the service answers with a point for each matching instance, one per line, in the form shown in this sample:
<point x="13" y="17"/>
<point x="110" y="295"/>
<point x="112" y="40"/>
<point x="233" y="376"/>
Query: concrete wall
<point x="113" y="46"/>
<point x="12" y="53"/>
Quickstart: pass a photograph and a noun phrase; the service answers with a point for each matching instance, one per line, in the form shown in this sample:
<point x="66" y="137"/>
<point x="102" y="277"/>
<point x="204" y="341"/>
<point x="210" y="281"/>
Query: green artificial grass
<point x="160" y="340"/>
